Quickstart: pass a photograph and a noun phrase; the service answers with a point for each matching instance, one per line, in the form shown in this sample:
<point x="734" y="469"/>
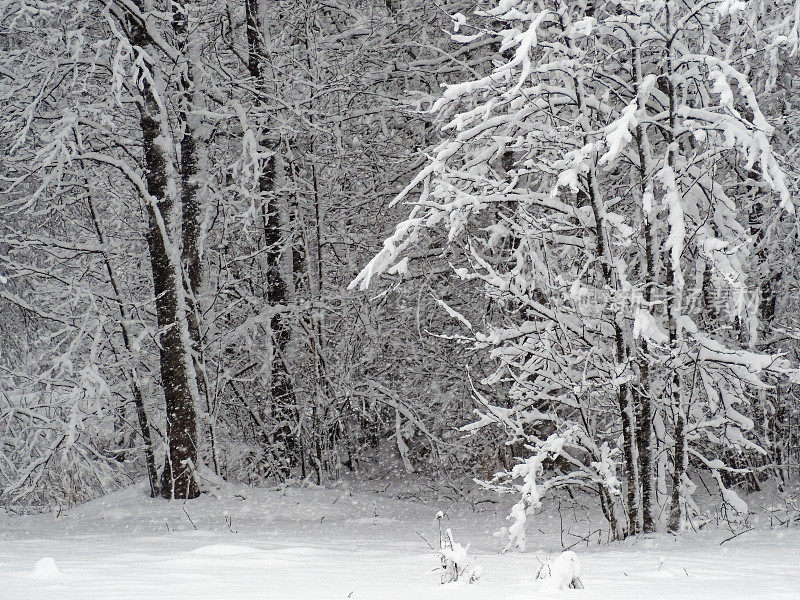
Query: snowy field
<point x="320" y="544"/>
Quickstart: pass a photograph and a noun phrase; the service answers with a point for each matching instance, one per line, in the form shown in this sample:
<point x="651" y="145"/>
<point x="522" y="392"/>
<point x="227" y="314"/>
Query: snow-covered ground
<point x="320" y="544"/>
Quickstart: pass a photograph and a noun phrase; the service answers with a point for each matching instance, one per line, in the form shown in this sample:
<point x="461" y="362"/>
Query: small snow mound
<point x="45" y="568"/>
<point x="222" y="550"/>
<point x="564" y="572"/>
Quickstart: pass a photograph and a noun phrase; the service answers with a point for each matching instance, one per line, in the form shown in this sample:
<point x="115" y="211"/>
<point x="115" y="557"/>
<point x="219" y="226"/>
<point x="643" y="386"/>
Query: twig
<point x="229" y="523"/>
<point x="736" y="535"/>
<point x="426" y="541"/>
<point x="582" y="539"/>
<point x="190" y="518"/>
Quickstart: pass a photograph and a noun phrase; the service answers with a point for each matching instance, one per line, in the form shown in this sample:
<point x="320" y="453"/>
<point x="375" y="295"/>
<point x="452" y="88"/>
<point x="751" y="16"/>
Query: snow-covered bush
<point x="733" y="508"/>
<point x="457" y="565"/>
<point x="561" y="573"/>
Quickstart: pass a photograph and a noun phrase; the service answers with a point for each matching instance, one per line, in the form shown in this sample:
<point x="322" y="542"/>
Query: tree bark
<point x="672" y="309"/>
<point x="177" y="480"/>
<point x="644" y="410"/>
<point x="281" y="386"/>
<point x="193" y="159"/>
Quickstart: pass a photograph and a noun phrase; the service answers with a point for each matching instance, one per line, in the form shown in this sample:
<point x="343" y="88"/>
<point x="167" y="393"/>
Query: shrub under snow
<point x="456" y="563"/>
<point x="561" y="573"/>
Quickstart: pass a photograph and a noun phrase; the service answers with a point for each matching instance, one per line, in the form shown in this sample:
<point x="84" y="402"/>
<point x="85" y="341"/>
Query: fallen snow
<point x="336" y="544"/>
<point x="45" y="568"/>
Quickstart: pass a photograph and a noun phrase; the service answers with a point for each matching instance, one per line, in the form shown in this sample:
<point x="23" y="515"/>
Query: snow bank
<point x="332" y="544"/>
<point x="45" y="568"/>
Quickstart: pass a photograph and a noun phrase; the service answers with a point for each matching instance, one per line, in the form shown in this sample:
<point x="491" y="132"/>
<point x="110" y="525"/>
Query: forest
<point x="536" y="249"/>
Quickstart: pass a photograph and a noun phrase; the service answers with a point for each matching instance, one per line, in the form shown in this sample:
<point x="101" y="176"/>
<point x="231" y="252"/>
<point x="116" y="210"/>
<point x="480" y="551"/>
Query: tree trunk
<point x="644" y="441"/>
<point x="677" y="475"/>
<point x="281" y="387"/>
<point x="628" y="448"/>
<point x="672" y="308"/>
<point x="177" y="479"/>
<point x="193" y="150"/>
<point x="644" y="409"/>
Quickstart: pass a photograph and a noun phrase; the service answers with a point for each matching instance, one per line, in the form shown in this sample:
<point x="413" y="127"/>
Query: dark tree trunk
<point x="674" y="291"/>
<point x="624" y="392"/>
<point x="644" y="442"/>
<point x="281" y="387"/>
<point x="644" y="410"/>
<point x="677" y="475"/>
<point x="190" y="203"/>
<point x="628" y="452"/>
<point x="190" y="232"/>
<point x="191" y="149"/>
<point x="677" y="410"/>
<point x="177" y="479"/>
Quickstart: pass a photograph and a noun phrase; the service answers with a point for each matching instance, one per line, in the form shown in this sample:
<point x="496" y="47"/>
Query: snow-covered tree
<point x="589" y="183"/>
<point x="115" y="96"/>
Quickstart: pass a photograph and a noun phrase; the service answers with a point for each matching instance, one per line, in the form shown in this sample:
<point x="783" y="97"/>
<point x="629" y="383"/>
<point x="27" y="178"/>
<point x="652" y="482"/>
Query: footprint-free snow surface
<point x="337" y="544"/>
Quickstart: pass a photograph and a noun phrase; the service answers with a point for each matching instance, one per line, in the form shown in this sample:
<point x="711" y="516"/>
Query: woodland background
<point x="603" y="260"/>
